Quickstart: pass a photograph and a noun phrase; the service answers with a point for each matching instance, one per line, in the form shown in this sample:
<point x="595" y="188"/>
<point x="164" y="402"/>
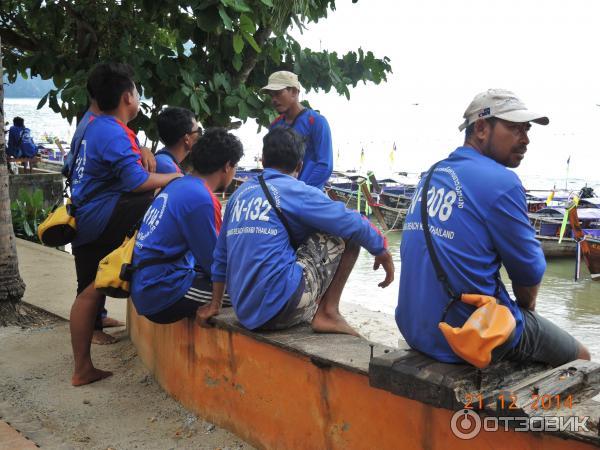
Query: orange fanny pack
<point x="488" y="327"/>
<point x="491" y="325"/>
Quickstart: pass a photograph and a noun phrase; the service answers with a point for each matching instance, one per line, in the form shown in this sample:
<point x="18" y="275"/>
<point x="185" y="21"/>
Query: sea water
<point x="574" y="305"/>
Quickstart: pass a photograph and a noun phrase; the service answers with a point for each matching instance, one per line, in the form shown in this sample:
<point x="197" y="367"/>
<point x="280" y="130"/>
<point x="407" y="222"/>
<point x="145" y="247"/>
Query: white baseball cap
<point x="281" y="80"/>
<point x="502" y="104"/>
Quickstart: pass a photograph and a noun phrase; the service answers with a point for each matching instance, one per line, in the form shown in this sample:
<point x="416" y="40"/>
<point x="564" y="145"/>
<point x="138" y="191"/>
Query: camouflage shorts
<point x="319" y="258"/>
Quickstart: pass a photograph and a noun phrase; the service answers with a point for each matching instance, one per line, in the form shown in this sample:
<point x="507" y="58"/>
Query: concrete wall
<point x="51" y="184"/>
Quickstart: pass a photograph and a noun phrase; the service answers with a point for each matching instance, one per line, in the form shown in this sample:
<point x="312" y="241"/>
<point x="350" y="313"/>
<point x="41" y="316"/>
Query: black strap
<point x="441" y="274"/>
<point x="164" y="151"/>
<point x="291" y="125"/>
<point x="261" y="180"/>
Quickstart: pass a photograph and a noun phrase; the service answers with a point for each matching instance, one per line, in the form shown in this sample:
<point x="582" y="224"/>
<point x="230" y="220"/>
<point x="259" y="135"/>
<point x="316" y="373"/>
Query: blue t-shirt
<point x="254" y="253"/>
<point x="318" y="156"/>
<point x="184" y="219"/>
<point x="108" y="164"/>
<point x="165" y="162"/>
<point x="20" y="143"/>
<point x="478" y="218"/>
<point x="87" y="117"/>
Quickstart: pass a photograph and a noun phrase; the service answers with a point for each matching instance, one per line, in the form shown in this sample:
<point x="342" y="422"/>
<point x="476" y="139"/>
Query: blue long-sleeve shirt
<point x="184" y="219"/>
<point x="318" y="156"/>
<point x="253" y="253"/>
<point x="478" y="220"/>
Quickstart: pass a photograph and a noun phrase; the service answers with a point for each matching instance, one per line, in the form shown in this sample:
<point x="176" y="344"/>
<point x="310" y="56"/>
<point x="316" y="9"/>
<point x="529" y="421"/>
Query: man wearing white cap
<point x="284" y="89"/>
<point x="476" y="215"/>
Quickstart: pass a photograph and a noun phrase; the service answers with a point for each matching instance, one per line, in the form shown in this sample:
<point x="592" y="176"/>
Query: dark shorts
<point x="128" y="211"/>
<point x="200" y="293"/>
<point x="319" y="258"/>
<point x="542" y="341"/>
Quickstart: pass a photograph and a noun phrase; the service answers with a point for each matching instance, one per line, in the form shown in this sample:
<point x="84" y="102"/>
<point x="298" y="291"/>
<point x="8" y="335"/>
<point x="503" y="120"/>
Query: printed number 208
<point x="439" y="202"/>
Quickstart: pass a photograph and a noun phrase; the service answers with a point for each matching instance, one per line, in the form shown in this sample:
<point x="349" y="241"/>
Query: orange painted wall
<point x="273" y="398"/>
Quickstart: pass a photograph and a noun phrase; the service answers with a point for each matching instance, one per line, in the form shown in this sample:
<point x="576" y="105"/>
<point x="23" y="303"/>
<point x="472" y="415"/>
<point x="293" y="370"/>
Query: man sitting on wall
<point x="179" y="233"/>
<point x="272" y="285"/>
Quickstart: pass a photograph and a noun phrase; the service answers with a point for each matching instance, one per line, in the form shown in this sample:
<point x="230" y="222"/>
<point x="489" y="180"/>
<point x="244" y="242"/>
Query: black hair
<point x="173" y="123"/>
<point x="471" y="128"/>
<point x="18" y="122"/>
<point x="283" y="148"/>
<point x="214" y="149"/>
<point x="107" y="82"/>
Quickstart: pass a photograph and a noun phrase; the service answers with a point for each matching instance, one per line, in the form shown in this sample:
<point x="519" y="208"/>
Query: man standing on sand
<point x="102" y="319"/>
<point x="477" y="214"/>
<point x="284" y="89"/>
<point x="110" y="191"/>
<point x="286" y="250"/>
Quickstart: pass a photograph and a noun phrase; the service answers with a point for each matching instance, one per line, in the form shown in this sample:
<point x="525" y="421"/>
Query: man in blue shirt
<point x="284" y="89"/>
<point x="110" y="191"/>
<point x="149" y="163"/>
<point x="271" y="285"/>
<point x="179" y="233"/>
<point x="20" y="143"/>
<point x="178" y="131"/>
<point x="477" y="216"/>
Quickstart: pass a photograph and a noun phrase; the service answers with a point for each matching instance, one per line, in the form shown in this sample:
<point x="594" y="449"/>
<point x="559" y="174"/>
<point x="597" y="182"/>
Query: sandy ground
<point x="126" y="411"/>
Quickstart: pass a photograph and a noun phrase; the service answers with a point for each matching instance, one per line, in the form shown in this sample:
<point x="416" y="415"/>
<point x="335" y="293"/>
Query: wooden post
<point x="375" y="208"/>
<point x="374" y="182"/>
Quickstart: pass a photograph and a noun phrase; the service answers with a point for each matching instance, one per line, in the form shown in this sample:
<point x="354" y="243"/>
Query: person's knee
<point x="583" y="352"/>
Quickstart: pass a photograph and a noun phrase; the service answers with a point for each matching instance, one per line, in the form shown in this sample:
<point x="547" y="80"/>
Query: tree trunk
<point x="12" y="287"/>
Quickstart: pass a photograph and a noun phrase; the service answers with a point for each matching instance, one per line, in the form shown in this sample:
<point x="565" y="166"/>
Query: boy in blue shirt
<point x="284" y="89"/>
<point x="477" y="216"/>
<point x="178" y="131"/>
<point x="110" y="191"/>
<point x="271" y="284"/>
<point x="181" y="229"/>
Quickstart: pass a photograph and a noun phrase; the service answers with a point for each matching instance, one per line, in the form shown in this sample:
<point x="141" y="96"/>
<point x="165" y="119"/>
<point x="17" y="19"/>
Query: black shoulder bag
<point x="263" y="185"/>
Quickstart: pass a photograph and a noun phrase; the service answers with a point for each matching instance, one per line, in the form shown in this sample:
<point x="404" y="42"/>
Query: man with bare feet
<point x="286" y="250"/>
<point x="148" y="161"/>
<point x="110" y="191"/>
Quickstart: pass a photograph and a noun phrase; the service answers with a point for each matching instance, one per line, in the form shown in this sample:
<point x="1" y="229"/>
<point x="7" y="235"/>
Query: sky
<point x="442" y="54"/>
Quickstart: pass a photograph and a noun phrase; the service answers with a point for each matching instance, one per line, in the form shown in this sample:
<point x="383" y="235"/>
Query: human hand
<point x="385" y="260"/>
<point x="148" y="159"/>
<point x="205" y="313"/>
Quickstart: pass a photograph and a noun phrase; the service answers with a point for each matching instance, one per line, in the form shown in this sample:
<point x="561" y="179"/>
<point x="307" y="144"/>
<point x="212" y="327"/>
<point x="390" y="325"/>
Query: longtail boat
<point x="589" y="243"/>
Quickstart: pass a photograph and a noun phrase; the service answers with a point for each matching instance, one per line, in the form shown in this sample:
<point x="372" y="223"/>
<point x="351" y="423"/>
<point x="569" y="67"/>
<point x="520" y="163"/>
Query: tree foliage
<point x="211" y="56"/>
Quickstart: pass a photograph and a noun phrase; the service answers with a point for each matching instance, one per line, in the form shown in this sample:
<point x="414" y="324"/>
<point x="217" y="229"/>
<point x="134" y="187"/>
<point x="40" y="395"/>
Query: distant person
<point x="478" y="214"/>
<point x="178" y="131"/>
<point x="179" y="233"/>
<point x="111" y="190"/>
<point x="148" y="161"/>
<point x="20" y="142"/>
<point x="284" y="89"/>
<point x="271" y="284"/>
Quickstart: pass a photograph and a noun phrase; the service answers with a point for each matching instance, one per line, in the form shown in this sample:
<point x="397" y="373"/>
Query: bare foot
<point x="331" y="323"/>
<point x="89" y="377"/>
<point x="102" y="338"/>
<point x="109" y="322"/>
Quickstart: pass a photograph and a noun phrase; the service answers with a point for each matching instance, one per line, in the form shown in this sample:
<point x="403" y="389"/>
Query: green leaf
<point x="238" y="43"/>
<point x="187" y="77"/>
<point x="227" y="23"/>
<point x="231" y="101"/>
<point x="250" y="39"/>
<point x="269" y="3"/>
<point x="243" y="110"/>
<point x="208" y="20"/>
<point x="42" y="102"/>
<point x="27" y="228"/>
<point x="247" y="24"/>
<point x="195" y="104"/>
<point x="236" y="62"/>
